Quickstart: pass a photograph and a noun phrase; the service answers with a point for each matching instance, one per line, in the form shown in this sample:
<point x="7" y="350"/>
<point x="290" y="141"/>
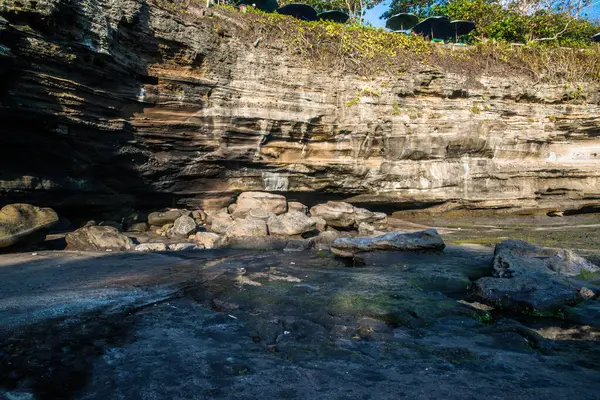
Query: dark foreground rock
<point x="245" y="325"/>
<point x="531" y="295"/>
<point x="533" y="280"/>
<point x="424" y="240"/>
<point x="24" y="223"/>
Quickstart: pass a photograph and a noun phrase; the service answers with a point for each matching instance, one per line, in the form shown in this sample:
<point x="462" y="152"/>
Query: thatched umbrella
<point x="401" y="22"/>
<point x="435" y="28"/>
<point x="462" y="28"/>
<point x="299" y="11"/>
<point x="333" y="15"/>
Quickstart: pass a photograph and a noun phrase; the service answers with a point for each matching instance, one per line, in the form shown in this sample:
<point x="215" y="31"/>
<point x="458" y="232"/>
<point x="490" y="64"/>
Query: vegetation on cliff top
<point x="368" y="51"/>
<point x="553" y="22"/>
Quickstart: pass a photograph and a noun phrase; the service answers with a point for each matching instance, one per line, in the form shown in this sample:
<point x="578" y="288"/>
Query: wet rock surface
<point x="237" y="324"/>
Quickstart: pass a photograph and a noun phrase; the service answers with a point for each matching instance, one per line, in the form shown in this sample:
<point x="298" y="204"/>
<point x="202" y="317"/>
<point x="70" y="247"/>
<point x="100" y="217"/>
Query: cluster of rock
<point x="266" y="220"/>
<point x="257" y="220"/>
<point x="536" y="281"/>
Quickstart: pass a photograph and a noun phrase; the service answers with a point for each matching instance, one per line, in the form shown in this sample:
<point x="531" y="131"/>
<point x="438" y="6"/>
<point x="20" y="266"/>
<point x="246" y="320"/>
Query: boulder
<point x="216" y="214"/>
<point x="429" y="239"/>
<point x="336" y="213"/>
<point x="260" y="214"/>
<point x="513" y="258"/>
<point x="324" y="240"/>
<point x="199" y="216"/>
<point x="231" y="208"/>
<point x="566" y="262"/>
<point x="291" y="223"/>
<point x="586" y="293"/>
<point x="366" y="229"/>
<point x="295" y="206"/>
<point x="183" y="246"/>
<point x="151" y="247"/>
<point x="269" y="202"/>
<point x="532" y="280"/>
<point x="363" y="215"/>
<point x="24" y="223"/>
<point x="379" y="220"/>
<point x="247" y="227"/>
<point x="208" y="240"/>
<point x="220" y="221"/>
<point x="98" y="238"/>
<point x="320" y="223"/>
<point x="160" y="218"/>
<point x="164" y="230"/>
<point x="374" y="218"/>
<point x="345" y="216"/>
<point x="184" y="226"/>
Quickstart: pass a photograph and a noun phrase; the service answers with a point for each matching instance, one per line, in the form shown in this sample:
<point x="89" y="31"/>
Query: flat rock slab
<point x="231" y="324"/>
<point x="424" y="240"/>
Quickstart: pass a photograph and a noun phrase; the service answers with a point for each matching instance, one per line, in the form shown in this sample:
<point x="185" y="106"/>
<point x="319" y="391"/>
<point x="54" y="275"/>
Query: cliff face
<point x="112" y="103"/>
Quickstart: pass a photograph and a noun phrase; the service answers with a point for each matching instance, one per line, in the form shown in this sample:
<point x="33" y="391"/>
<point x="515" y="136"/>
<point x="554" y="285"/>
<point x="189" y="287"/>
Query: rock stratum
<point x="125" y="103"/>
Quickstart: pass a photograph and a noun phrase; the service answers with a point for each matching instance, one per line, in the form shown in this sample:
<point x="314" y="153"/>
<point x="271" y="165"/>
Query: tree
<point x="524" y="21"/>
<point x="319" y="5"/>
<point x="488" y="15"/>
<point x="420" y="8"/>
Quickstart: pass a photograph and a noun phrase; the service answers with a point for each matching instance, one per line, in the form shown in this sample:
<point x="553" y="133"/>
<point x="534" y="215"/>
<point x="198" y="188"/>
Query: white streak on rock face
<point x="142" y="95"/>
<point x="275" y="182"/>
<point x="551" y="156"/>
<point x="467" y="169"/>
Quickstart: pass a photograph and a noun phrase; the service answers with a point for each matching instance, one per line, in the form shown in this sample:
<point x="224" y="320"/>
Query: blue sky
<point x="373" y="14"/>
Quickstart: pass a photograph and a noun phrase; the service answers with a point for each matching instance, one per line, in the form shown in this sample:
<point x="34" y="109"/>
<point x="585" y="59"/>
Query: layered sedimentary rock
<point x="113" y="103"/>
